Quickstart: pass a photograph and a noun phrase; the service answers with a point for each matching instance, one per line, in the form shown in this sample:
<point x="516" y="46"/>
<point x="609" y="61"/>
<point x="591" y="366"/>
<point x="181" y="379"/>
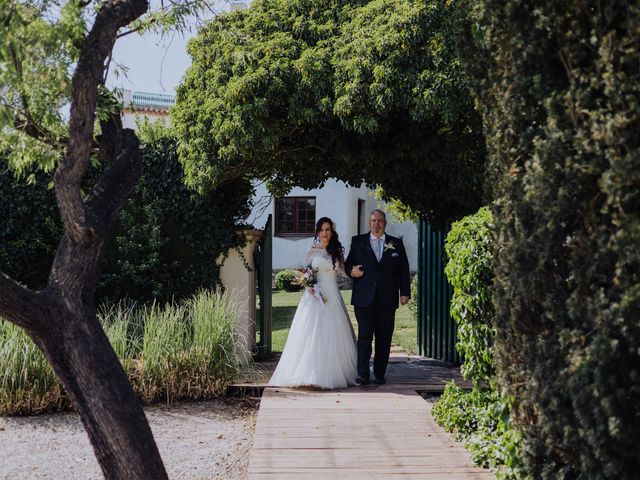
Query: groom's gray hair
<point x="377" y="210"/>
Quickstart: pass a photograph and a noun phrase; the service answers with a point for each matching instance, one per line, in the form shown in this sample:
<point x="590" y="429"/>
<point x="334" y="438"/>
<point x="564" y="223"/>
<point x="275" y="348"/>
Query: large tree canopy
<point x="295" y="92"/>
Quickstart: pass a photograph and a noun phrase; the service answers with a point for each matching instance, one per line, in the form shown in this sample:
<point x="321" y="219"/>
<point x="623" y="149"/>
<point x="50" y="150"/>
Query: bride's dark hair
<point x="335" y="248"/>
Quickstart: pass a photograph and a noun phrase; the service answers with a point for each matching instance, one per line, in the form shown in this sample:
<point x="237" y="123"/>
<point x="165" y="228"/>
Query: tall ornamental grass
<point x="172" y="352"/>
<point x="27" y="382"/>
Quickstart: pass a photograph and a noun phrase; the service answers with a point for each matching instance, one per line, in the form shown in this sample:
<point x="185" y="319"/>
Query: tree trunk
<point x="61" y="319"/>
<point x="85" y="363"/>
<point x="82" y="357"/>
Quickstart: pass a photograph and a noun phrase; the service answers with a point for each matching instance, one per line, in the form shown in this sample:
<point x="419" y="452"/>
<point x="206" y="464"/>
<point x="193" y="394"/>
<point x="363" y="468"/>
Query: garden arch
<point x="365" y="93"/>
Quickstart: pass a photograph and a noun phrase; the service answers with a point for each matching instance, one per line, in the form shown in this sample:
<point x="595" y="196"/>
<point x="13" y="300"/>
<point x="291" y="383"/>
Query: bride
<point x="321" y="348"/>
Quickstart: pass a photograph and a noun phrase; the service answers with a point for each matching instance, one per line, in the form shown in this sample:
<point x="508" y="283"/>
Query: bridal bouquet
<point x="309" y="279"/>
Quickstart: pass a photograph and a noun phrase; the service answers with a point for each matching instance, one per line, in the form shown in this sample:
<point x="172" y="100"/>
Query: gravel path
<point x="202" y="440"/>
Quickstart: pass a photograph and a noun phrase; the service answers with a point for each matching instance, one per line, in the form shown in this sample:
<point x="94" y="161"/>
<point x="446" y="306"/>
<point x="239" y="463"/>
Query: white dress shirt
<point x="377" y="244"/>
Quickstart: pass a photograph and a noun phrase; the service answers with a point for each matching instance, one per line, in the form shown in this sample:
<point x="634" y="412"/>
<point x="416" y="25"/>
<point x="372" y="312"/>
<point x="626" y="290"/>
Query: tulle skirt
<point x="321" y="348"/>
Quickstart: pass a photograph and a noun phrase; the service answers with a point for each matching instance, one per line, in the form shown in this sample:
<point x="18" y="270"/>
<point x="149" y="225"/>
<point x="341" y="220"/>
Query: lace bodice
<point x="320" y="259"/>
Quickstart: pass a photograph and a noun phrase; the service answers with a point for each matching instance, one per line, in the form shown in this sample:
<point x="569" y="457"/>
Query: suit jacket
<point x="381" y="280"/>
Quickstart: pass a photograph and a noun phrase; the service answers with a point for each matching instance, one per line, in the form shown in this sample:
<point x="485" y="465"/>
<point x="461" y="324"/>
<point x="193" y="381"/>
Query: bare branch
<point x="18" y="304"/>
<point x="260" y="206"/>
<point x="231" y="172"/>
<point x="133" y="30"/>
<point x="191" y="3"/>
<point x="107" y="64"/>
<point x="29" y="127"/>
<point x="300" y="149"/>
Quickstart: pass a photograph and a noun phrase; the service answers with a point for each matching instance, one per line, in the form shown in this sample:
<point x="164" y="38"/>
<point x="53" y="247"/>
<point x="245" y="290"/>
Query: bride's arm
<point x="308" y="258"/>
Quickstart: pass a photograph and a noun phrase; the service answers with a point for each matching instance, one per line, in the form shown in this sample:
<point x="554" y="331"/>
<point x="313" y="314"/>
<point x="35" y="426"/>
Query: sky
<point x="153" y="64"/>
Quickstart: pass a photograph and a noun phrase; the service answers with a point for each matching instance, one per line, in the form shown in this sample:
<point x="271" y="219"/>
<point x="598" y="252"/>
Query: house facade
<point x="294" y="216"/>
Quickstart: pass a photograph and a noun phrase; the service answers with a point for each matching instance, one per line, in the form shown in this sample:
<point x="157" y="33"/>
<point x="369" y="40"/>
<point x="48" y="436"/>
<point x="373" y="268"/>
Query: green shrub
<point x="469" y="271"/>
<point x="162" y="246"/>
<point x="479" y="417"/>
<point x="30" y="226"/>
<point x="167" y="237"/>
<point x="285" y="280"/>
<point x="413" y="301"/>
<point x="178" y="351"/>
<point x="558" y="83"/>
<point x="27" y="382"/>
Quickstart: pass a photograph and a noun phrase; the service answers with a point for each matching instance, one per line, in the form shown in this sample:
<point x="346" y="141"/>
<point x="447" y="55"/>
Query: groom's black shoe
<point x="362" y="380"/>
<point x="380" y="380"/>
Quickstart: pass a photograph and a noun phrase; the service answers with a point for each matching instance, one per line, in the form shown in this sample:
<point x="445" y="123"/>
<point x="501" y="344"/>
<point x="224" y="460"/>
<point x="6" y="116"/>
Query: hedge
<point x="479" y="417"/>
<point x="558" y="85"/>
<point x="163" y="245"/>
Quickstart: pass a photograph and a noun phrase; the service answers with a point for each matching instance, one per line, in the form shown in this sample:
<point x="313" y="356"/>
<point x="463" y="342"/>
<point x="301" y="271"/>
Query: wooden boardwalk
<point x="366" y="432"/>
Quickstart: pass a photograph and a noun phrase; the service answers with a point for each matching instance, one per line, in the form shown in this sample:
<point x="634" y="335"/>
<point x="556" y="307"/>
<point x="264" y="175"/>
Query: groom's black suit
<point x="375" y="298"/>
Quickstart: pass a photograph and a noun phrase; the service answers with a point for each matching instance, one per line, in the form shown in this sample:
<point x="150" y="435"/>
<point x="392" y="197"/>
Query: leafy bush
<point x="479" y="417"/>
<point x="167" y="237"/>
<point x="469" y="271"/>
<point x="162" y="246"/>
<point x="285" y="280"/>
<point x="559" y="89"/>
<point x="30" y="226"/>
<point x="178" y="351"/>
<point x="413" y="301"/>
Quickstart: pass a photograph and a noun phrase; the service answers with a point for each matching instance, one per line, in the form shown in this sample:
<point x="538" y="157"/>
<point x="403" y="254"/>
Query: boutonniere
<point x="389" y="246"/>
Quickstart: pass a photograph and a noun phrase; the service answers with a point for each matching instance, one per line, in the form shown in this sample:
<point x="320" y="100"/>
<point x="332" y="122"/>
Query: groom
<point x="378" y="265"/>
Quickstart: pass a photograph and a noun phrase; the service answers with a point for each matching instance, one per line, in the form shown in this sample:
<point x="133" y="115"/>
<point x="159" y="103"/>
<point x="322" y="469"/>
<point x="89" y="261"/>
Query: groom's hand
<point x="356" y="271"/>
<point x="404" y="300"/>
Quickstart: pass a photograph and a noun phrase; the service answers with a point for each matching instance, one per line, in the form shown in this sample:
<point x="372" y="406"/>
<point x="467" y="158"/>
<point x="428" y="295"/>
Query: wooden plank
<point x="361" y="432"/>
<point x="355" y="475"/>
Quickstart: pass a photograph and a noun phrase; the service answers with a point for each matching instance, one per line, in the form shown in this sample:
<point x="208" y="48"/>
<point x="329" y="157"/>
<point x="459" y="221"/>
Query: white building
<point x="295" y="215"/>
<point x="138" y="105"/>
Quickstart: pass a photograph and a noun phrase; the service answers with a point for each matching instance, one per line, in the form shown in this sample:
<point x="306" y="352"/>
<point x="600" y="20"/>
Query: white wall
<point x="340" y="203"/>
<point x="129" y="118"/>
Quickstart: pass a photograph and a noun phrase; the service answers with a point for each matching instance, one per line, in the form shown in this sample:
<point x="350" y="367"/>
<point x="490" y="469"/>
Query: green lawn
<point x="285" y="304"/>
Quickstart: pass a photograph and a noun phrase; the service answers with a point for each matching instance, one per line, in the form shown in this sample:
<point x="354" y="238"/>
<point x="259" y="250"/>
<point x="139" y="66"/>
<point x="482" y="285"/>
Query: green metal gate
<point x="437" y="331"/>
<point x="263" y="276"/>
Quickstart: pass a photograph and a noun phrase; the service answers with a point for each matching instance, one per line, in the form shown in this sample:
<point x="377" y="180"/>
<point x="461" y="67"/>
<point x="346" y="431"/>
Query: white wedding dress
<point x="321" y="347"/>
